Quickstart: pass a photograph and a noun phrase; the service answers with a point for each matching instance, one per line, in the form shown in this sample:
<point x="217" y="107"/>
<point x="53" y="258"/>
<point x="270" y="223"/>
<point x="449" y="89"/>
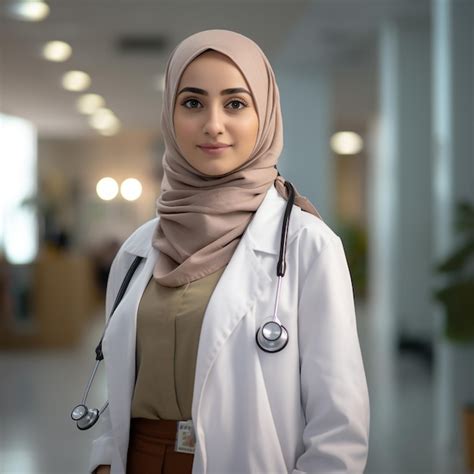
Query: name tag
<point x="185" y="439"/>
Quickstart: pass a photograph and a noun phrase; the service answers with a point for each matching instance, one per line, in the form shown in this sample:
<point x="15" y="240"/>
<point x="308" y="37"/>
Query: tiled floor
<point x="37" y="435"/>
<point x="39" y="389"/>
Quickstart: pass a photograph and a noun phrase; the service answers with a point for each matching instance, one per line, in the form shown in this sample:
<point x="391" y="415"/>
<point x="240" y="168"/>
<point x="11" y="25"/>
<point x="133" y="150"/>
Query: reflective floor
<point x="39" y="388"/>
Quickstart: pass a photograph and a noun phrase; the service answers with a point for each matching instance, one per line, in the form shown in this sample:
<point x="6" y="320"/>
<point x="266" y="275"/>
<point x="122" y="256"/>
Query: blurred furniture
<point x="61" y="300"/>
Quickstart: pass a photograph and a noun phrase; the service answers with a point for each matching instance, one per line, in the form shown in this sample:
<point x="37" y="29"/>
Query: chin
<point x="217" y="172"/>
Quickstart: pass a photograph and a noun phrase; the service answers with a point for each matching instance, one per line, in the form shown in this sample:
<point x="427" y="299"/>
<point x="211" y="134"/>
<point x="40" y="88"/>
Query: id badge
<point x="185" y="439"/>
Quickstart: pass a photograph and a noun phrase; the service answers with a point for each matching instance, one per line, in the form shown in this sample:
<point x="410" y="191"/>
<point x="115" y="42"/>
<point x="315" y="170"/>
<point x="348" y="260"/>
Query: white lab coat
<point x="302" y="410"/>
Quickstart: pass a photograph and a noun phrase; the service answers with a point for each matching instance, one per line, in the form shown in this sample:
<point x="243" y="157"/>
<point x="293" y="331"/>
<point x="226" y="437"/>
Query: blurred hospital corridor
<point x="377" y="108"/>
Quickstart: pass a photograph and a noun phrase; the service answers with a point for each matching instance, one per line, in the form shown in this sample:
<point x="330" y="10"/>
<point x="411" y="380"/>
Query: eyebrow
<point x="196" y="90"/>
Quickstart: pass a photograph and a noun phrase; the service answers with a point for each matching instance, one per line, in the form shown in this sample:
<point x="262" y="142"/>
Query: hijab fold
<point x="202" y="217"/>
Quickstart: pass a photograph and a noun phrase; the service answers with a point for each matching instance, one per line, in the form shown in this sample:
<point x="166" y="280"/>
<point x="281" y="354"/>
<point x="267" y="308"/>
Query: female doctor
<point x="192" y="386"/>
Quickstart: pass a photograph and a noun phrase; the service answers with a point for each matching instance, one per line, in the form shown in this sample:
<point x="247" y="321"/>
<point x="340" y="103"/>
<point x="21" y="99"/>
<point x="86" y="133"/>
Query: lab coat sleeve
<point x="102" y="446"/>
<point x="334" y="391"/>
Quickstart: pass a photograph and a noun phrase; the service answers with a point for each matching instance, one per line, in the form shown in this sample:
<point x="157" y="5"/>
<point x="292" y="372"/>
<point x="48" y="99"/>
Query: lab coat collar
<point x="264" y="231"/>
<point x="139" y="243"/>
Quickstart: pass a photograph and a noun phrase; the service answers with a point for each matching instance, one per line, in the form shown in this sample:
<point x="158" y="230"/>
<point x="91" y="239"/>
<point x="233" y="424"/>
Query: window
<point x="18" y="221"/>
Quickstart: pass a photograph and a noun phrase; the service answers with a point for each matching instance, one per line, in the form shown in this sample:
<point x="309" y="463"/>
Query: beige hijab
<point x="202" y="218"/>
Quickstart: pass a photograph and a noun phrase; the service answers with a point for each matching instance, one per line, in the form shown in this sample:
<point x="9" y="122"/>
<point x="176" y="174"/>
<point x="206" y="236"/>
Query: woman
<point x="181" y="345"/>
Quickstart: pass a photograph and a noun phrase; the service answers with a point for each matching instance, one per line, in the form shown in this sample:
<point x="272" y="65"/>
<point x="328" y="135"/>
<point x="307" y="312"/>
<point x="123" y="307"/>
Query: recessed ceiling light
<point x="346" y="143"/>
<point x="111" y="130"/>
<point x="29" y="10"/>
<point x="76" y="81"/>
<point x="107" y="188"/>
<point x="57" y="51"/>
<point x="89" y="103"/>
<point x="131" y="189"/>
<point x="103" y="119"/>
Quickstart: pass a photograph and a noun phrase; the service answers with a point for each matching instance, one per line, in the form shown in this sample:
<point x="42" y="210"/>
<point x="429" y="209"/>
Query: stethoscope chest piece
<point x="85" y="418"/>
<point x="79" y="412"/>
<point x="272" y="336"/>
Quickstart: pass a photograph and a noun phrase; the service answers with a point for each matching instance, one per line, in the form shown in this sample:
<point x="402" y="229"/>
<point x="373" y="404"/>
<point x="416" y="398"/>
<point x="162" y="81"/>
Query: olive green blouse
<point x="169" y="323"/>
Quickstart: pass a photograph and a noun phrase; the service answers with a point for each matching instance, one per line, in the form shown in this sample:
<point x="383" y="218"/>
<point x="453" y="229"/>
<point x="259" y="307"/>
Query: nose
<point x="214" y="122"/>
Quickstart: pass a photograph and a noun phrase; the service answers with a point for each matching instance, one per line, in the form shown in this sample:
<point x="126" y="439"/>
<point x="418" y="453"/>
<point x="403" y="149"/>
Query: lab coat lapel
<point x="239" y="285"/>
<point x="122" y="334"/>
<point x="244" y="280"/>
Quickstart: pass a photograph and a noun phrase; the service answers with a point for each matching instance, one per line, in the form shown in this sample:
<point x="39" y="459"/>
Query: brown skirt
<point x="151" y="449"/>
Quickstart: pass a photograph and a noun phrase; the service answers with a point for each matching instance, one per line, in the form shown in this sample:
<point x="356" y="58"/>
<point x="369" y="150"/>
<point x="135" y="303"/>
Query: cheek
<point x="184" y="128"/>
<point x="250" y="128"/>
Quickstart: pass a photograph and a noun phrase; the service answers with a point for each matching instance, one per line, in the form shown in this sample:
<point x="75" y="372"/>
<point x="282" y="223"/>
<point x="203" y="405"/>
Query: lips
<point x="214" y="146"/>
<point x="214" y="150"/>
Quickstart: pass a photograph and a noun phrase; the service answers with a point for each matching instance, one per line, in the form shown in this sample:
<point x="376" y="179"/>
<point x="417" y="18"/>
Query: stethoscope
<point x="271" y="336"/>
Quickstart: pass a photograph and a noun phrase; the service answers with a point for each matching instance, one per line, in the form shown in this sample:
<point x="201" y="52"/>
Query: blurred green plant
<point x="457" y="296"/>
<point x="354" y="238"/>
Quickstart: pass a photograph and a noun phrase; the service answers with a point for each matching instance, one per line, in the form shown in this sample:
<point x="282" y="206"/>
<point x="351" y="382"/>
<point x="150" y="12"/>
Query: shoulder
<point x="138" y="244"/>
<point x="315" y="235"/>
<point x="321" y="254"/>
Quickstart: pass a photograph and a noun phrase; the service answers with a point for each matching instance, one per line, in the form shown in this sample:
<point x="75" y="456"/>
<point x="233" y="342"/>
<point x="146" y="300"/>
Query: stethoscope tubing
<point x="277" y="301"/>
<point x="89" y="383"/>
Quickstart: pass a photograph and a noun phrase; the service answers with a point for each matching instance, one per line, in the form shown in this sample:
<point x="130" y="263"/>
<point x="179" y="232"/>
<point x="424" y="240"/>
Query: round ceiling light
<point x="131" y="189"/>
<point x="346" y="143"/>
<point x="76" y="81"/>
<point x="107" y="189"/>
<point x="29" y="10"/>
<point x="57" y="51"/>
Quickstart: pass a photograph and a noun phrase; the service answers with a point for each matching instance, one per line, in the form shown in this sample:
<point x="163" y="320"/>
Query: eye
<point x="193" y="104"/>
<point x="237" y="104"/>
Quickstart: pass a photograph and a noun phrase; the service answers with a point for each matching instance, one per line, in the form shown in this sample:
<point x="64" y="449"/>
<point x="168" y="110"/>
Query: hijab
<point x="202" y="217"/>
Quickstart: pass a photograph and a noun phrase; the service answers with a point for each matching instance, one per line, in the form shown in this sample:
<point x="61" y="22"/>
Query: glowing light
<point x="29" y="10"/>
<point x="76" y="81"/>
<point x="107" y="189"/>
<point x="108" y="132"/>
<point x="346" y="143"/>
<point x="18" y="221"/>
<point x="131" y="189"/>
<point x="89" y="103"/>
<point x="57" y="51"/>
<point x="103" y="119"/>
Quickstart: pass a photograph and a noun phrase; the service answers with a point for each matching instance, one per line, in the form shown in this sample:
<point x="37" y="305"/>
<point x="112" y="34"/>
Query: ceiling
<point x="339" y="34"/>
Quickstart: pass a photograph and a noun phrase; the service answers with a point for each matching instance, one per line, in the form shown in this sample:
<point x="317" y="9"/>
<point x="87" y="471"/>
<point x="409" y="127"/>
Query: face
<point x="215" y="120"/>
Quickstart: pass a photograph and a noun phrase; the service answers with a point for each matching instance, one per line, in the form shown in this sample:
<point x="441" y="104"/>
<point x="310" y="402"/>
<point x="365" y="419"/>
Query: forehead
<point x="212" y="69"/>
